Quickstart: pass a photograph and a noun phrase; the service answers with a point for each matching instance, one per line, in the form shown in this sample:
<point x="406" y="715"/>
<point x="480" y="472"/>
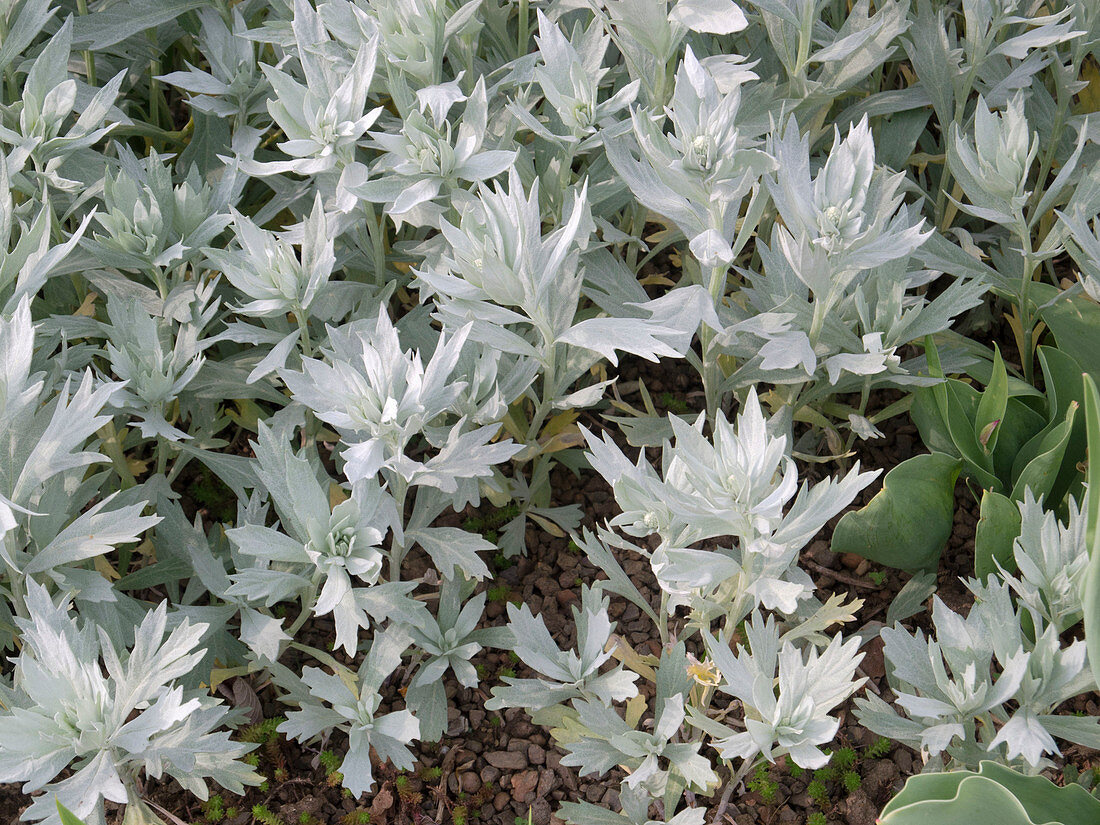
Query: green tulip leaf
<point x="991" y="406"/>
<point x="1091" y="599"/>
<point x="998" y="527"/>
<point x="1040" y="471"/>
<point x="908" y="522"/>
<point x="995" y="794"/>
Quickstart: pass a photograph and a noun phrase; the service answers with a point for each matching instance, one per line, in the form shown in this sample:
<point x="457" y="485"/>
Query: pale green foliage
<point x="791" y="718"/>
<point x="78" y="702"/>
<point x="565" y="675"/>
<point x="982" y="685"/>
<point x="1050" y="560"/>
<point x="740" y="483"/>
<point x="349" y="702"/>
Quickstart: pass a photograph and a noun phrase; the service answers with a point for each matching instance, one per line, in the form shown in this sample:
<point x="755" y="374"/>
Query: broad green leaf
<point x="997" y="529"/>
<point x="960" y="425"/>
<point x="977" y="800"/>
<point x="1039" y="473"/>
<point x="1091" y="601"/>
<point x="991" y="406"/>
<point x="1062" y="381"/>
<point x="1020" y="425"/>
<point x="1064" y="385"/>
<point x="935" y="369"/>
<point x="995" y="794"/>
<point x="931" y="424"/>
<point x="1075" y="323"/>
<point x="908" y="522"/>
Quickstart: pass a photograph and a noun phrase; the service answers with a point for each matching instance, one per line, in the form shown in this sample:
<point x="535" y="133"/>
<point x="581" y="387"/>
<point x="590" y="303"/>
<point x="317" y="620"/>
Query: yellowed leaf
<point x="87" y="307"/>
<point x="547" y="525"/>
<point x="1088" y="99"/>
<point x="635" y="708"/>
<point x="558" y="424"/>
<point x="641" y="664"/>
<point x="336" y="495"/>
<point x="137" y="466"/>
<point x="563" y="441"/>
<point x="106" y="569"/>
<point x="222" y="674"/>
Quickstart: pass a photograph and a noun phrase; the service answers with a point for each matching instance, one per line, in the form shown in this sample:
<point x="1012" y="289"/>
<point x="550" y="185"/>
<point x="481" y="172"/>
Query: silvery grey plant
<point x="448" y="641"/>
<point x="1083" y="245"/>
<point x="108" y="715"/>
<point x="380" y="398"/>
<point x="326" y="117"/>
<point x="519" y="290"/>
<point x="569" y="76"/>
<point x="697" y="177"/>
<point x="152" y="225"/>
<point x="30" y="255"/>
<point x="982" y="685"/>
<point x="51" y="526"/>
<point x="328" y="557"/>
<point x="232" y="85"/>
<point x="649" y="34"/>
<point x="35" y="127"/>
<point x="156" y="369"/>
<point x="427" y="157"/>
<point x="277" y="280"/>
<point x="568" y="675"/>
<point x="1049" y="558"/>
<point x="792" y="717"/>
<point x="840" y="269"/>
<point x="349" y="702"/>
<point x="737" y="485"/>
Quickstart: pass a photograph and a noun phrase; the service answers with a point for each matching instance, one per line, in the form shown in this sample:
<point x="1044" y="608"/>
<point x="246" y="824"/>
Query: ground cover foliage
<point x="309" y="308"/>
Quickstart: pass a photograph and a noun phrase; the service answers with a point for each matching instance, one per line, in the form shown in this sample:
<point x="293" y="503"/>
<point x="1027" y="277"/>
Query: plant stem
<point x="16" y="586"/>
<point x="307" y="609"/>
<point x="664" y="618"/>
<point x="524" y="29"/>
<point x="731" y="786"/>
<point x="549" y="390"/>
<point x="162" y="456"/>
<point x="1054" y="140"/>
<point x="712" y="373"/>
<point x="89" y="58"/>
<point x="377" y="228"/>
<point x="113" y="449"/>
<point x="303" y="328"/>
<point x="400" y="490"/>
<point x="1027" y="323"/>
<point x="863" y="398"/>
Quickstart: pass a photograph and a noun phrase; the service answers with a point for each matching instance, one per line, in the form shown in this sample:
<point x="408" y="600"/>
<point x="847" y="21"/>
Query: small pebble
<point x="567" y="597"/>
<point x="469" y="782"/>
<point x="507" y="760"/>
